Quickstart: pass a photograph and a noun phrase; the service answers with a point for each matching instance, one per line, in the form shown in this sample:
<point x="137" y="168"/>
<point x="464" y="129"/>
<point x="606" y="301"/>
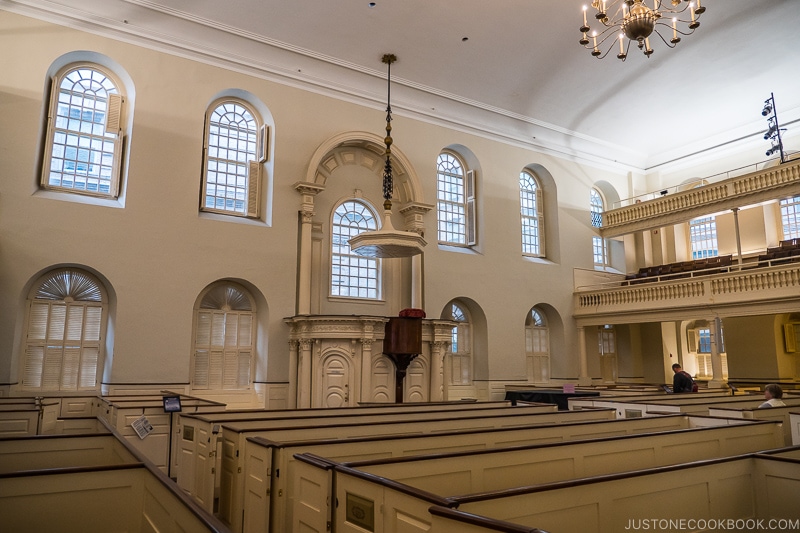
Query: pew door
<point x="416" y="381"/>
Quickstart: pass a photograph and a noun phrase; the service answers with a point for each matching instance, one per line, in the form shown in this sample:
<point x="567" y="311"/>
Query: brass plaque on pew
<point x="360" y="511"/>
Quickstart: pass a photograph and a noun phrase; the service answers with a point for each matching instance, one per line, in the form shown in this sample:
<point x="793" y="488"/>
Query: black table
<point x="558" y="397"/>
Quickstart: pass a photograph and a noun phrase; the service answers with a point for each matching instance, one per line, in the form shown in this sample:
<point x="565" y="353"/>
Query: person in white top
<point x="773" y="393"/>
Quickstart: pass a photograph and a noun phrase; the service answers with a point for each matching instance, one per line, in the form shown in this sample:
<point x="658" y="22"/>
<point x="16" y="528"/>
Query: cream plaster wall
<point x="157" y="253"/>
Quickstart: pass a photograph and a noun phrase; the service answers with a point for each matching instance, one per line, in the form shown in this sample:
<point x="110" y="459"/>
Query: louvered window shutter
<point x="51" y="368"/>
<point x="200" y="380"/>
<point x="540" y="220"/>
<point x="790" y="337"/>
<point x="254" y="189"/>
<point x="215" y="369"/>
<point x="693" y="340"/>
<point x="471" y="222"/>
<point x="34" y="363"/>
<point x="52" y="110"/>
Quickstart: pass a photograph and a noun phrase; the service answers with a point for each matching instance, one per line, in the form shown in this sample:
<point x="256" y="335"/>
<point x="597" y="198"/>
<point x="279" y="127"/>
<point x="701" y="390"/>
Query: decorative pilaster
<point x="307" y="191"/>
<point x="583" y="377"/>
<point x="414" y="213"/>
<point x="366" y="369"/>
<point x="294" y="377"/>
<point x="304" y="373"/>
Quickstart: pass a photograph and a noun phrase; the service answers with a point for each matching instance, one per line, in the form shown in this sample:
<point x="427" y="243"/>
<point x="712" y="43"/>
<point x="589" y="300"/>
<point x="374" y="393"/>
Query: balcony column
<point x="738" y="237"/>
<point x="717" y="379"/>
<point x="583" y="377"/>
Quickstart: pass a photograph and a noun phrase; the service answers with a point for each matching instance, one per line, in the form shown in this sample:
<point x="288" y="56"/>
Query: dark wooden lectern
<point x="402" y="343"/>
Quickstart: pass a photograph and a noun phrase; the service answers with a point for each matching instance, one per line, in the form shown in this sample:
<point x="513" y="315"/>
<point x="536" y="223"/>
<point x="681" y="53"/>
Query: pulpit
<point x="402" y="343"/>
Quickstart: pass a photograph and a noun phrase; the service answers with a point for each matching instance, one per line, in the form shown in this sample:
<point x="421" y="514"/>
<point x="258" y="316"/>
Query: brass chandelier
<point x="627" y="21"/>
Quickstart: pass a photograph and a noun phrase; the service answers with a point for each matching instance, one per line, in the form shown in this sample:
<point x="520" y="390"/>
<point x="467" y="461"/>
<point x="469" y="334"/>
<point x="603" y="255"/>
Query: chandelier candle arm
<point x="637" y="21"/>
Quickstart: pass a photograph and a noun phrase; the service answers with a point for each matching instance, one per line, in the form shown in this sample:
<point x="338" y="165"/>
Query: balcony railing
<point x="740" y="191"/>
<point x="737" y="289"/>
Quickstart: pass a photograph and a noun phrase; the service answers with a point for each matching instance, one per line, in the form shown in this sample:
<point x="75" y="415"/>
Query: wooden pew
<point x="44" y="452"/>
<point x="158" y="446"/>
<point x="682" y="403"/>
<point x="752" y="412"/>
<point x="605" y="400"/>
<point x="127" y="497"/>
<point x="745" y="493"/>
<point x="794" y="423"/>
<point x="198" y="444"/>
<point x="306" y="487"/>
<point x="79" y="483"/>
<point x="235" y="435"/>
<point x="28" y="416"/>
<point x="468" y="475"/>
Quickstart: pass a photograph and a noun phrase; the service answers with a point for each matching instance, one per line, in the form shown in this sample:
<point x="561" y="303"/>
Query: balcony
<point x="675" y="208"/>
<point x="766" y="286"/>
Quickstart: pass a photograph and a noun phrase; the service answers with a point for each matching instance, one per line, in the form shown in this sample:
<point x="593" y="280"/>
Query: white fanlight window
<point x="531" y="215"/>
<point x="599" y="245"/>
<point x="224" y="338"/>
<point x="352" y="275"/>
<point x="455" y="201"/>
<point x="66" y="321"/>
<point x="537" y="346"/>
<point x="460" y="347"/>
<point x="83" y="146"/>
<point x="233" y="165"/>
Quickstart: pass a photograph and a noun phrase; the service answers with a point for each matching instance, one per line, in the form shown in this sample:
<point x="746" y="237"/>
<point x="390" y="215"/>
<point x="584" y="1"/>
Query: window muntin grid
<point x="599" y="248"/>
<point x="596" y="207"/>
<point x="537" y="338"/>
<point x="232" y="142"/>
<point x="704" y="340"/>
<point x="790" y="217"/>
<point x="529" y="214"/>
<point x="82" y="152"/>
<point x="352" y="275"/>
<point x="461" y="347"/>
<point x="451" y="199"/>
<point x="703" y="237"/>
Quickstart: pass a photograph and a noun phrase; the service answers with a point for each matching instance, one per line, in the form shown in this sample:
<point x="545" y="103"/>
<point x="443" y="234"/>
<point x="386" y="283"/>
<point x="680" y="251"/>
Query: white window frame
<point x="224" y="339"/>
<point x="67" y="317"/>
<point x="461" y="345"/>
<point x="531" y="215"/>
<point x="599" y="244"/>
<point x="353" y="275"/>
<point x="456" y="201"/>
<point x="790" y="217"/>
<point x="233" y="164"/>
<point x="84" y="156"/>
<point x="537" y="346"/>
<point x="703" y="237"/>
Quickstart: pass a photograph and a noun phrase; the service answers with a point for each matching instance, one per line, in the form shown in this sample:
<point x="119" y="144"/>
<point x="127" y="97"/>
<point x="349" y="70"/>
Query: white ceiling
<point x="509" y="68"/>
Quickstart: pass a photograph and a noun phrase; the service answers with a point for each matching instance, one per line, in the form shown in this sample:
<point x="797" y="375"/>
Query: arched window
<point x="83" y="147"/>
<point x="455" y="201"/>
<point x="531" y="214"/>
<point x="461" y="346"/>
<point x="537" y="347"/>
<point x="703" y="237"/>
<point x="599" y="245"/>
<point x="66" y="320"/>
<point x="224" y="340"/>
<point x="790" y="217"/>
<point x="352" y="275"/>
<point x="234" y="155"/>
